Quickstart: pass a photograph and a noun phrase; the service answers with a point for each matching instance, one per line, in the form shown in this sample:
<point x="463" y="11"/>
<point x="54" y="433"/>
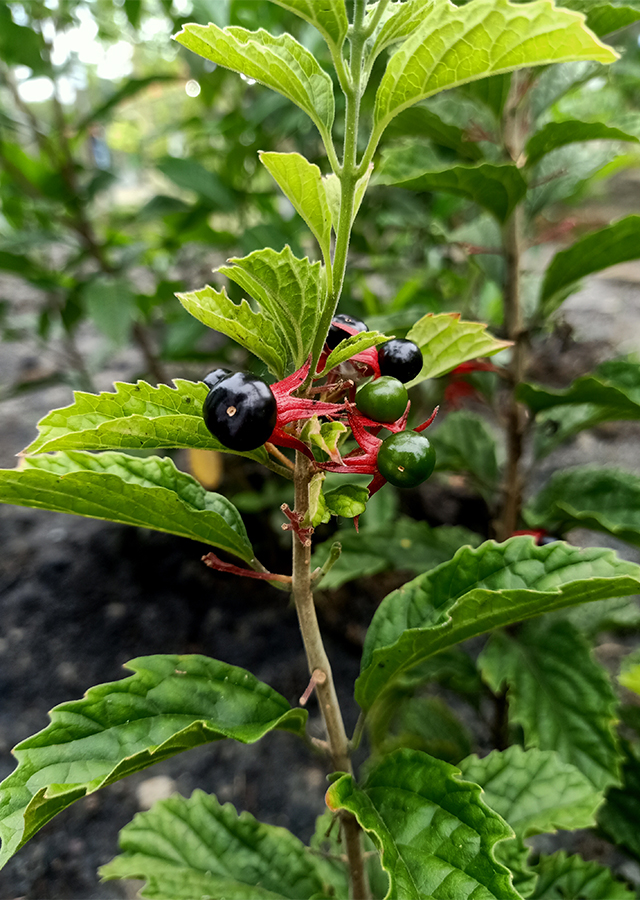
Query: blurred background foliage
<point x="129" y="169"/>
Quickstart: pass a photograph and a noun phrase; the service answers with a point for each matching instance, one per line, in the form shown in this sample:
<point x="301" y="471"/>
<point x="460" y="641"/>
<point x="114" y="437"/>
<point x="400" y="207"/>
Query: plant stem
<point x="514" y="137"/>
<point x="317" y="660"/>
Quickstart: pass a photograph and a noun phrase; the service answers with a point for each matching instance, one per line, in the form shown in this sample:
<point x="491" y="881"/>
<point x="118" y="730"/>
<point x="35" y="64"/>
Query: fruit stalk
<point x="318" y="661"/>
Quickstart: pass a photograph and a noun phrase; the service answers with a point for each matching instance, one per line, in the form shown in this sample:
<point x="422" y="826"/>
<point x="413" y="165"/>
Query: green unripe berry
<point x="406" y="459"/>
<point x="383" y="400"/>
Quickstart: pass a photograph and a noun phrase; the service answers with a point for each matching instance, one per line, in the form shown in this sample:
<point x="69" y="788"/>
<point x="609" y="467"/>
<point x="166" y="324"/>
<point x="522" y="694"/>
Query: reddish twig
<point x="214" y="562"/>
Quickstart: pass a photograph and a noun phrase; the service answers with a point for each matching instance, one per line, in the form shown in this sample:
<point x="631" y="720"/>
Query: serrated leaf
<point x="409" y="545"/>
<point x="562" y="876"/>
<point x="533" y="790"/>
<point x="616" y="243"/>
<point x="250" y="329"/>
<point x="352" y="346"/>
<point x="185" y="848"/>
<point x="608" y="16"/>
<point x="170" y="704"/>
<point x="554" y="82"/>
<point x="446" y="341"/>
<point x="348" y="501"/>
<point x="464" y="442"/>
<point x="611" y="393"/>
<point x="619" y="817"/>
<point x="619" y="613"/>
<point x="133" y="417"/>
<point x="302" y="183"/>
<point x="398" y="22"/>
<point x="479" y="590"/>
<point x="455" y="45"/>
<point x="280" y="63"/>
<point x="565" y="171"/>
<point x="558" y="693"/>
<point x="497" y="188"/>
<point x="435" y="833"/>
<point x="149" y="492"/>
<point x="329" y="17"/>
<point x="558" y="134"/>
<point x="418" y="121"/>
<point x="601" y="499"/>
<point x="291" y="293"/>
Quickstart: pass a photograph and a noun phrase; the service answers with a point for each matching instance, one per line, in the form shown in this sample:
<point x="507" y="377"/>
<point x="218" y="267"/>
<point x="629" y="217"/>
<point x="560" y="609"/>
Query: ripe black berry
<point x="401" y="359"/>
<point x="337" y="333"/>
<point x="212" y="379"/>
<point x="240" y="411"/>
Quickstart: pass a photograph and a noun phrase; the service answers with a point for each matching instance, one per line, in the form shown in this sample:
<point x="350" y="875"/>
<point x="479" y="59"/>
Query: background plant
<point x="415" y="634"/>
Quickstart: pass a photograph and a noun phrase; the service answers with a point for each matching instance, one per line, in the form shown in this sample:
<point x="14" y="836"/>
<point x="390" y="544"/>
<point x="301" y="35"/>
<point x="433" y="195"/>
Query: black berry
<point x="400" y="359"/>
<point x="212" y="379"/>
<point x="240" y="411"/>
<point x="337" y="333"/>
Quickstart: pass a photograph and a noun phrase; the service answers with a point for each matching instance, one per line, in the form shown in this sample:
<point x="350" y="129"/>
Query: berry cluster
<point x="243" y="412"/>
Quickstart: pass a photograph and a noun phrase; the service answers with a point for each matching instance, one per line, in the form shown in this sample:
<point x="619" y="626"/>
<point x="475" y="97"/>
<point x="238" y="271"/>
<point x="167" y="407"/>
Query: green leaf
<point x="492" y="92"/>
<point x="418" y="121"/>
<point x="111" y="304"/>
<point x="606" y="16"/>
<point x="398" y="22"/>
<point x="170" y="704"/>
<point x="280" y="63"/>
<point x="555" y="81"/>
<point x="562" y="876"/>
<point x="435" y="833"/>
<point x="250" y="329"/>
<point x="616" y="243"/>
<point x="455" y="45"/>
<point x="197" y="847"/>
<point x="133" y="417"/>
<point x="447" y="341"/>
<point x="423" y="723"/>
<point x="291" y="293"/>
<point x="558" y="134"/>
<point x="534" y="790"/>
<point x="409" y="545"/>
<point x="130" y="88"/>
<point x="601" y="499"/>
<point x="560" y="696"/>
<point x="611" y="393"/>
<point x="192" y="176"/>
<point x="352" y="346"/>
<point x="302" y="183"/>
<point x="630" y="675"/>
<point x="149" y="492"/>
<point x="564" y="172"/>
<point x="329" y="17"/>
<point x="477" y="591"/>
<point x="498" y="188"/>
<point x="619" y="817"/>
<point x="616" y="614"/>
<point x="349" y="501"/>
<point x="464" y="442"/>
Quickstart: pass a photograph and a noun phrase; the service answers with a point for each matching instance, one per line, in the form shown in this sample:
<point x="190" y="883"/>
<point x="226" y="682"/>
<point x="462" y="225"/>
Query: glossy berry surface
<point x="337" y="333"/>
<point x="400" y="359"/>
<point x="383" y="400"/>
<point x="240" y="411"/>
<point x="406" y="459"/>
<point x="214" y="377"/>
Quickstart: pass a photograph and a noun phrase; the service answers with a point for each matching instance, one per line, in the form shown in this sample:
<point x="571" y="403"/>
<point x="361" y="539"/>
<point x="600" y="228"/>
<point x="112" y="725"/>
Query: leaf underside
<point x="149" y="492"/>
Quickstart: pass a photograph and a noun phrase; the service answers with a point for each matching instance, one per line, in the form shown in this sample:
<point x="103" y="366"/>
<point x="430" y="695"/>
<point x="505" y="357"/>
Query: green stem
<point x="320" y="669"/>
<point x="348" y="177"/>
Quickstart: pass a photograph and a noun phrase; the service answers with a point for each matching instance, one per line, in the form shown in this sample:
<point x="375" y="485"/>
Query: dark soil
<point x="79" y="599"/>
